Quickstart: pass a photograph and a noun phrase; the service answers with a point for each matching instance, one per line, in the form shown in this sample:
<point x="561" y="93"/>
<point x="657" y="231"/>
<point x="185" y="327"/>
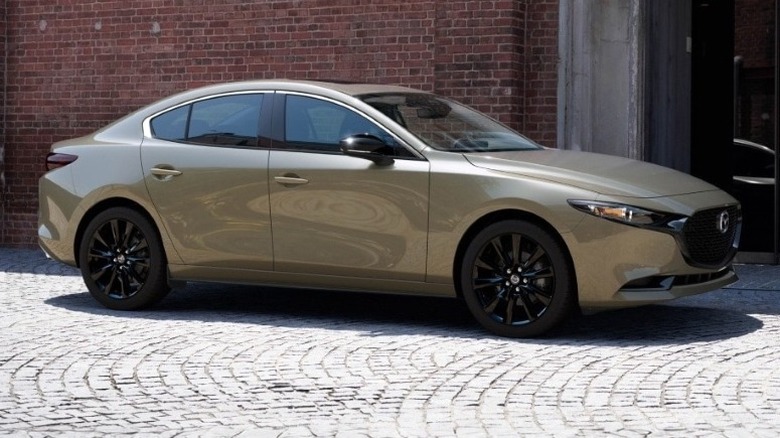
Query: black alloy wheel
<point x="516" y="279"/>
<point x="122" y="260"/>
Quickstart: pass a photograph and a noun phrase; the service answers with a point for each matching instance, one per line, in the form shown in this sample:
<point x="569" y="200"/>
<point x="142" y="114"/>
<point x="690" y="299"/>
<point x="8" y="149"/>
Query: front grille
<point x="706" y="244"/>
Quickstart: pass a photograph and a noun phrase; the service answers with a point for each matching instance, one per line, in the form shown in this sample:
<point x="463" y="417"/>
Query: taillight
<point x="55" y="160"/>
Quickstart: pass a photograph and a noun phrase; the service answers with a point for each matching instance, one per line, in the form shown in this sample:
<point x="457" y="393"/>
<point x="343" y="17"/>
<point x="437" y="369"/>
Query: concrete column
<point x="601" y="77"/>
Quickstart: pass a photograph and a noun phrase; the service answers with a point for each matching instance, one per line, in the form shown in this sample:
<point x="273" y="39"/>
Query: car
<point x="753" y="184"/>
<point x="375" y="188"/>
<point x="753" y="163"/>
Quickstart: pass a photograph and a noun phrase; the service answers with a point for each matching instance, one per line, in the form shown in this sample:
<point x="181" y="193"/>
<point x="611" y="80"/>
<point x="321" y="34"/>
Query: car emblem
<point x="722" y="222"/>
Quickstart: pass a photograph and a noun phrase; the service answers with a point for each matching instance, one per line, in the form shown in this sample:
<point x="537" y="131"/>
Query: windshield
<point x="446" y="125"/>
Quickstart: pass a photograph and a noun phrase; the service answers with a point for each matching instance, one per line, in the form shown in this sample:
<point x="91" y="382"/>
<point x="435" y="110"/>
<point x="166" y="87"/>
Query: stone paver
<point x="216" y="360"/>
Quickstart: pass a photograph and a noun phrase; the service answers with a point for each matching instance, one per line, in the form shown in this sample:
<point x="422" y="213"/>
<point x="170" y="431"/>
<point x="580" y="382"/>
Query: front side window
<point x="313" y="124"/>
<point x="223" y="121"/>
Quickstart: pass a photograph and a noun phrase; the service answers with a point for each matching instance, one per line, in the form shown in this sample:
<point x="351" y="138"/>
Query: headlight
<point x="630" y="215"/>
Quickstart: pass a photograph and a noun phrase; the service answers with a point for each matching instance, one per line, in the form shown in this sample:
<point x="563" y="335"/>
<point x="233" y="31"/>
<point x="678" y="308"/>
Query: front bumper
<point x="666" y="288"/>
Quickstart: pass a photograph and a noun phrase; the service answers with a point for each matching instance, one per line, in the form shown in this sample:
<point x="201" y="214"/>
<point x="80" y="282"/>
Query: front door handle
<point x="290" y="180"/>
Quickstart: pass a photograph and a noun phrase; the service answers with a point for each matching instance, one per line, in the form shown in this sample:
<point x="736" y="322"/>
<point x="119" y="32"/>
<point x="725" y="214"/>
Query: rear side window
<point x="224" y="121"/>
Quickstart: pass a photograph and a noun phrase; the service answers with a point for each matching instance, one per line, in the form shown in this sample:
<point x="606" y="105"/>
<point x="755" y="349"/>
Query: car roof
<point x="318" y="86"/>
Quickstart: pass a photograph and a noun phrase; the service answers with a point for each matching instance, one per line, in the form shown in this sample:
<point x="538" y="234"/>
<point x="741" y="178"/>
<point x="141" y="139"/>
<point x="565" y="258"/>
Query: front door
<point x="338" y="215"/>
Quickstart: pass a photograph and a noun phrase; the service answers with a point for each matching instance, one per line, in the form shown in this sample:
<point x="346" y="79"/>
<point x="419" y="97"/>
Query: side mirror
<point x="368" y="147"/>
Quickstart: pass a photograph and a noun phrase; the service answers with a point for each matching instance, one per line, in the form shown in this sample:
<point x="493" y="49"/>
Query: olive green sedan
<point x="378" y="189"/>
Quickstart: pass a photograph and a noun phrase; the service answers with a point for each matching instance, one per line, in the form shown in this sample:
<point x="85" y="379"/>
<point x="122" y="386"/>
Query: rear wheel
<point x="122" y="260"/>
<point x="517" y="280"/>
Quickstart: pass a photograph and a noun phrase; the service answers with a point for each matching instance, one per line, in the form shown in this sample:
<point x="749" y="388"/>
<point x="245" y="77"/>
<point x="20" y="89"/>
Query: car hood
<point x="604" y="174"/>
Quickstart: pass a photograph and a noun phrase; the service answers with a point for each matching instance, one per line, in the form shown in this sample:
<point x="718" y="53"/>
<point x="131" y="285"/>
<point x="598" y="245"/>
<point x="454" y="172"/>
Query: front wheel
<point x="517" y="280"/>
<point x="122" y="260"/>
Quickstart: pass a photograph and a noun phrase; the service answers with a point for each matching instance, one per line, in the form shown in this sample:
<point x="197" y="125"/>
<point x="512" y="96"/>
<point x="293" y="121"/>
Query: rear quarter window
<point x="171" y="126"/>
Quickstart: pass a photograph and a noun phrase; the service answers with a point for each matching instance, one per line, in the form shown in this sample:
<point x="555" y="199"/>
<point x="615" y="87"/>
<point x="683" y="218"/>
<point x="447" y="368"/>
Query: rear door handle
<point x="162" y="172"/>
<point x="290" y="180"/>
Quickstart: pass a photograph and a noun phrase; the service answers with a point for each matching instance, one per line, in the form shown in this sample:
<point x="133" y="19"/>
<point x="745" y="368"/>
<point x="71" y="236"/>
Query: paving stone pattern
<point x="216" y="360"/>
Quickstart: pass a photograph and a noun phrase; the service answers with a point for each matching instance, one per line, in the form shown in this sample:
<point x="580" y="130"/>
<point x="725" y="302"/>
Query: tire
<point x="517" y="280"/>
<point x="122" y="260"/>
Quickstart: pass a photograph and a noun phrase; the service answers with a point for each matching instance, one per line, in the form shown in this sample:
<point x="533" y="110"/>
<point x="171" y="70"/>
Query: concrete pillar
<point x="601" y="77"/>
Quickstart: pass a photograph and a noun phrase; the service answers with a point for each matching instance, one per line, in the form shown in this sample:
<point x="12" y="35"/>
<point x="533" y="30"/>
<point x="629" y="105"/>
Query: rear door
<point x="207" y="177"/>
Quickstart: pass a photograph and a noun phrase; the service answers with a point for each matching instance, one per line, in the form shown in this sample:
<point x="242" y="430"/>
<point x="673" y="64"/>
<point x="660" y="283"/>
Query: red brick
<point x="95" y="61"/>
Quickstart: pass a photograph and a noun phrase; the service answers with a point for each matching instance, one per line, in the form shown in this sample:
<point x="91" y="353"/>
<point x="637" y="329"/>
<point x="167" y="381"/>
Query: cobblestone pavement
<point x="216" y="360"/>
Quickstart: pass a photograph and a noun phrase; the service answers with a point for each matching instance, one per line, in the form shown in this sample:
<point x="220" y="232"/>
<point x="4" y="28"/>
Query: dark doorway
<point x="733" y="112"/>
<point x="754" y="161"/>
<point x="712" y="82"/>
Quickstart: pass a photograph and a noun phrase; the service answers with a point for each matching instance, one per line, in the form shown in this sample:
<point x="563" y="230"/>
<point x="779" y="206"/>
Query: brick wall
<point x="540" y="71"/>
<point x="478" y="56"/>
<point x="755" y="43"/>
<point x="755" y="32"/>
<point x="2" y="117"/>
<point x="74" y="66"/>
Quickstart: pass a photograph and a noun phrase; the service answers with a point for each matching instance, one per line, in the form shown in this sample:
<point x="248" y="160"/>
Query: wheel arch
<point x="102" y="206"/>
<point x="498" y="216"/>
